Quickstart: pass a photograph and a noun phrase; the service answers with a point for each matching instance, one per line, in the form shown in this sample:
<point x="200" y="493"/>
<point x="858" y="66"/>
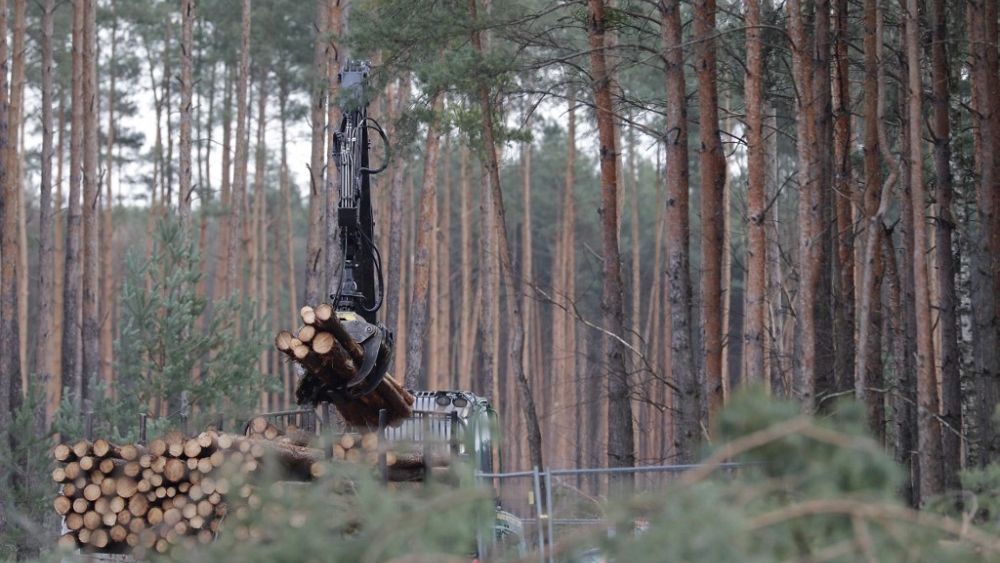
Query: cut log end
<point x="283" y="341"/>
<point x="324" y="312"/>
<point x="307" y="333"/>
<point x="308" y="314"/>
<point x="323" y="343"/>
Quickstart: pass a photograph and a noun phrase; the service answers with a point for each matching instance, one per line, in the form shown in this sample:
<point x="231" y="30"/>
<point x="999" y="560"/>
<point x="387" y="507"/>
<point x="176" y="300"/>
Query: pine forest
<point x="727" y="270"/>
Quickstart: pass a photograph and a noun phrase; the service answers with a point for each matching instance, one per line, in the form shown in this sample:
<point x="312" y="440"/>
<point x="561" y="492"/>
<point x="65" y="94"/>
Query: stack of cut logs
<point x="175" y="489"/>
<point x="332" y="358"/>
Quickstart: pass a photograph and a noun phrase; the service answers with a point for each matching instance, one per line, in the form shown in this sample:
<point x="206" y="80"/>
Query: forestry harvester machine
<point x="351" y="371"/>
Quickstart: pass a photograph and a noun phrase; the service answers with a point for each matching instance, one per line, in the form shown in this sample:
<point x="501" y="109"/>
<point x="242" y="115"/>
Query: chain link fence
<point x="552" y="504"/>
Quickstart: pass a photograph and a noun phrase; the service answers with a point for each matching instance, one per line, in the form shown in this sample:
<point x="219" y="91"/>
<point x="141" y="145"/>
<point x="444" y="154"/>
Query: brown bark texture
<point x="91" y="325"/>
<point x="239" y="188"/>
<point x="944" y="224"/>
<point x="46" y="319"/>
<point x="682" y="364"/>
<point x="10" y="359"/>
<point x="516" y="294"/>
<point x="621" y="451"/>
<point x="712" y="164"/>
<point x="929" y="426"/>
<point x="73" y="274"/>
<point x="985" y="86"/>
<point x="804" y="387"/>
<point x="317" y="161"/>
<point x="187" y="108"/>
<point x="417" y="317"/>
<point x="755" y="319"/>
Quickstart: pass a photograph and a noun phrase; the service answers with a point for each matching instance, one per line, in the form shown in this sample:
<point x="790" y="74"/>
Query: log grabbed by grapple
<point x="344" y="359"/>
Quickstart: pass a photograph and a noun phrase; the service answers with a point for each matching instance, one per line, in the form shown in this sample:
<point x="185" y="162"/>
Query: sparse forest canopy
<point x="605" y="216"/>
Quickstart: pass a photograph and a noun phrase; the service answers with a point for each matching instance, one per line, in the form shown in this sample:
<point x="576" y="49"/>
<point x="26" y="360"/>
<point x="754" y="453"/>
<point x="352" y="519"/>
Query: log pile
<point x="331" y="358"/>
<point x="142" y="499"/>
<point x="177" y="489"/>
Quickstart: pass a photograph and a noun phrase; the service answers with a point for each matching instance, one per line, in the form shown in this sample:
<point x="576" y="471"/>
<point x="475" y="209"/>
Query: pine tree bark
<point x="91" y="326"/>
<point x="10" y="358"/>
<point x="844" y="358"/>
<point x="986" y="119"/>
<point x="904" y="381"/>
<point x="756" y="326"/>
<point x="15" y="174"/>
<point x="621" y="452"/>
<point x="73" y="272"/>
<point x="41" y="366"/>
<point x="566" y="403"/>
<point x="54" y="395"/>
<point x="222" y="282"/>
<point x="233" y="258"/>
<point x="467" y="327"/>
<point x="187" y="107"/>
<point x="947" y="305"/>
<point x="395" y="299"/>
<point x="713" y="176"/>
<point x="929" y="426"/>
<point x="809" y="212"/>
<point x="499" y="226"/>
<point x="868" y="369"/>
<point x="286" y="196"/>
<point x="537" y="378"/>
<point x="335" y="22"/>
<point x="167" y="173"/>
<point x="445" y="347"/>
<point x="107" y="226"/>
<point x="315" y="261"/>
<point x="823" y="220"/>
<point x="417" y="316"/>
<point x="682" y="364"/>
<point x="259" y="254"/>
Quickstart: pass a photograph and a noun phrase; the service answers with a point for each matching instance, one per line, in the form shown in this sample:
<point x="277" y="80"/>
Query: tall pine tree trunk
<point x="809" y="207"/>
<point x="15" y="175"/>
<point x="187" y="89"/>
<point x="868" y="369"/>
<point x="47" y="326"/>
<point x="286" y="197"/>
<point x="233" y="255"/>
<point x="929" y="427"/>
<point x="395" y="300"/>
<point x="844" y="358"/>
<point x="58" y="281"/>
<point x="417" y="317"/>
<point x="445" y="347"/>
<point x="566" y="402"/>
<point x="682" y="364"/>
<point x="10" y="358"/>
<point x="713" y="177"/>
<point x="91" y="326"/>
<point x="467" y="327"/>
<point x="317" y="161"/>
<point x="499" y="227"/>
<point x="756" y="326"/>
<point x="982" y="33"/>
<point x="71" y="374"/>
<point x="947" y="305"/>
<point x="621" y="452"/>
<point x="333" y="266"/>
<point x="107" y="226"/>
<point x="223" y="285"/>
